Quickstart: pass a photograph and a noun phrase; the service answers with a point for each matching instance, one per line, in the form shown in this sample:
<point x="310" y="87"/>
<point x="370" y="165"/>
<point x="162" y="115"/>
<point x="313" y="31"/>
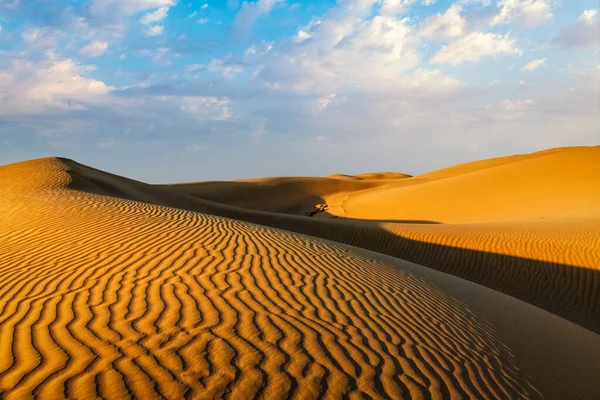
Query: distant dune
<point x="112" y="288"/>
<point x="281" y="195"/>
<point x="561" y="183"/>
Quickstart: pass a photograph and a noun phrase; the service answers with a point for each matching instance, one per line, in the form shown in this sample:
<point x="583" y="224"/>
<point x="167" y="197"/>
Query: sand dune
<point x="525" y="225"/>
<point x="110" y="288"/>
<point x="293" y="196"/>
<point x="561" y="183"/>
<point x="288" y="195"/>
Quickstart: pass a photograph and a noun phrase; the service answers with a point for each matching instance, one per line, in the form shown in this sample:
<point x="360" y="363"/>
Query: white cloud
<point x="94" y="49"/>
<point x="395" y="7"/>
<point x="202" y="21"/>
<point x="535" y="64"/>
<point x="157" y="54"/>
<point x="229" y="71"/>
<point x="204" y="6"/>
<point x="450" y="23"/>
<point x="119" y="8"/>
<point x="589" y="16"/>
<point x="32" y="87"/>
<point x="517" y="105"/>
<point x="302" y="36"/>
<point x="483" y="3"/>
<point x="474" y="47"/>
<point x="110" y="17"/>
<point x="155" y="30"/>
<point x="513" y="109"/>
<point x="206" y="108"/>
<point x="44" y="38"/>
<point x="250" y="12"/>
<point x="342" y="51"/>
<point x="584" y="33"/>
<point x="527" y="12"/>
<point x="155" y="16"/>
<point x="325" y="101"/>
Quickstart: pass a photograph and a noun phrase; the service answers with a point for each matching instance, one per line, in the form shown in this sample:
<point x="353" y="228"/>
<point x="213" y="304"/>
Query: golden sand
<point x="111" y="288"/>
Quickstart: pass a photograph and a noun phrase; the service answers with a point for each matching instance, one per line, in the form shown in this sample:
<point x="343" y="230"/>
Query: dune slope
<point x="294" y="196"/>
<point x="526" y="225"/>
<point x="557" y="183"/>
<point x="107" y="297"/>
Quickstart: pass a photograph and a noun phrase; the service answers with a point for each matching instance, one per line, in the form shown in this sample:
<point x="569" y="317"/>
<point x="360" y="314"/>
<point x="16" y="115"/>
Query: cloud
<point x="227" y="69"/>
<point x="28" y="87"/>
<point x="475" y="46"/>
<point x="581" y="34"/>
<point x="527" y="12"/>
<point x="155" y="16"/>
<point x="450" y="23"/>
<point x="126" y="8"/>
<point x="249" y="14"/>
<point x="395" y="7"/>
<point x="94" y="49"/>
<point x="517" y="105"/>
<point x="41" y="38"/>
<point x="211" y="108"/>
<point x="344" y="49"/>
<point x="110" y="17"/>
<point x="155" y="30"/>
<point x="325" y="101"/>
<point x="533" y="65"/>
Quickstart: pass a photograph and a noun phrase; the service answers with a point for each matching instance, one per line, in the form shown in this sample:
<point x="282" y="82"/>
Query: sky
<point x="178" y="91"/>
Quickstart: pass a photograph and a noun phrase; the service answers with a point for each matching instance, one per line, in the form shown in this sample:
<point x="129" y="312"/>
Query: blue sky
<point x="168" y="90"/>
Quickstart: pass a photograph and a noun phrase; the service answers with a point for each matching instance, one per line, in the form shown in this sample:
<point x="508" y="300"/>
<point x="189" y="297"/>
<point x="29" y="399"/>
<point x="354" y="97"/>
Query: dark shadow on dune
<point x="327" y="216"/>
<point x="287" y="195"/>
<point x="569" y="291"/>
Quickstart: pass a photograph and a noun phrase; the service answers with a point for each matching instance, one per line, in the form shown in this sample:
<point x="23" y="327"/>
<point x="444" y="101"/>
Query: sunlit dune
<point x="561" y="183"/>
<point x="112" y="288"/>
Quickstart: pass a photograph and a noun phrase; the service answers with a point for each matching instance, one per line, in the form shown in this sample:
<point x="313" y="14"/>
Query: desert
<point x="113" y="288"/>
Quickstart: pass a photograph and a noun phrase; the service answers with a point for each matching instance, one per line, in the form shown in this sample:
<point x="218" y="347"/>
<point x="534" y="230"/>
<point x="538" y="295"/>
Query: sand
<point x="525" y="225"/>
<point x="112" y="288"/>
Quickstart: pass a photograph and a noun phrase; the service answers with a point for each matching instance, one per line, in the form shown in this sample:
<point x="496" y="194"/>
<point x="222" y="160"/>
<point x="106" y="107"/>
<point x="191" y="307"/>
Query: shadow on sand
<point x="568" y="291"/>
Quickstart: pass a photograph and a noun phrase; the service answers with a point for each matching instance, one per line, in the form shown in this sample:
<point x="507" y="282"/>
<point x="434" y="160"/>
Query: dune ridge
<point x="108" y="297"/>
